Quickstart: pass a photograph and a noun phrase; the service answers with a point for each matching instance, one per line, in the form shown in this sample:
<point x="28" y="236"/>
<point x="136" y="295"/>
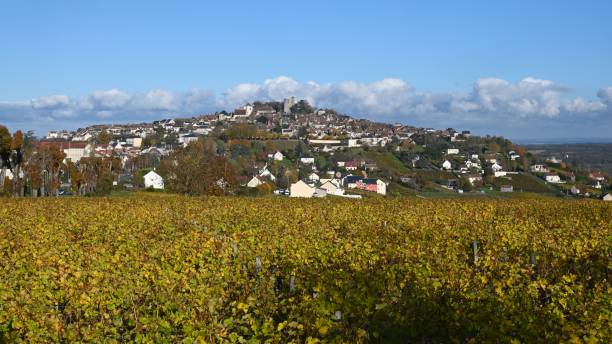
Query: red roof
<point x="61" y="144"/>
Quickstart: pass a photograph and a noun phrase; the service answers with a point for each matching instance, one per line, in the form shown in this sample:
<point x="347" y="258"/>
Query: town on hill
<point x="286" y="148"/>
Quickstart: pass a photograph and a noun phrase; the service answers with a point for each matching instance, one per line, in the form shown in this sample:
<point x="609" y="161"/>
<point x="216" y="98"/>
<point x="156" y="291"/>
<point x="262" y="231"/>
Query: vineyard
<point x="178" y="269"/>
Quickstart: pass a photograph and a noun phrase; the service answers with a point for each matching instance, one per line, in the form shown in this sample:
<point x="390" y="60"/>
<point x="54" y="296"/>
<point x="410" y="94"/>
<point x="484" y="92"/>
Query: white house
<point x="187" y="139"/>
<point x="538" y="168"/>
<point x="607" y="197"/>
<point x="447" y="165"/>
<point x="153" y="180"/>
<point x="278" y="156"/>
<point x="265" y="173"/>
<point x="301" y="189"/>
<point x="254" y="182"/>
<point x="496" y="167"/>
<point x="452" y="151"/>
<point x="313" y="177"/>
<point x="333" y="187"/>
<point x="136" y="142"/>
<point x="553" y="178"/>
<point x="307" y="160"/>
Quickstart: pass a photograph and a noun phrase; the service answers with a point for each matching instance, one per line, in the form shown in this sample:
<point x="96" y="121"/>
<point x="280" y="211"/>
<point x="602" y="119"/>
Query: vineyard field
<point x="163" y="268"/>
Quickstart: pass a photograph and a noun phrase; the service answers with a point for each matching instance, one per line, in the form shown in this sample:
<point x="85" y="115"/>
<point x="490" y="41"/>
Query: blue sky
<point x="515" y="68"/>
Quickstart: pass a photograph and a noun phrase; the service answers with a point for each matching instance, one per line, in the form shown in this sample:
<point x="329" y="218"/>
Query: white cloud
<point x="108" y="100"/>
<point x="50" y="102"/>
<point x="491" y="103"/>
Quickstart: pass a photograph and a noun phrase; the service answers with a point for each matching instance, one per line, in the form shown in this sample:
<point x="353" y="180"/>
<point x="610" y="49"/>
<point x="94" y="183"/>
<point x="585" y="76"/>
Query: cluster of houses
<point x="316" y="186"/>
<point x="323" y="130"/>
<point x="124" y="150"/>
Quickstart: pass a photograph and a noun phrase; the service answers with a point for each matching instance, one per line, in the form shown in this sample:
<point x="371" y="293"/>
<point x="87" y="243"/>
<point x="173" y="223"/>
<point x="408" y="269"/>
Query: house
<point x="313" y="177"/>
<point x="513" y="155"/>
<point x="538" y="168"/>
<point x="372" y="185"/>
<point x="267" y="174"/>
<point x="553" y="178"/>
<point x="74" y="150"/>
<point x="596" y="184"/>
<point x="447" y="165"/>
<point x="278" y="156"/>
<point x="332" y="187"/>
<point x="307" y="160"/>
<point x="452" y="151"/>
<point x="597" y="176"/>
<point x="351" y="165"/>
<point x="350" y="181"/>
<point x="301" y="189"/>
<point x="187" y="139"/>
<point x="134" y="141"/>
<point x="506" y="188"/>
<point x="607" y="197"/>
<point x="153" y="180"/>
<point x="496" y="167"/>
<point x="254" y="182"/>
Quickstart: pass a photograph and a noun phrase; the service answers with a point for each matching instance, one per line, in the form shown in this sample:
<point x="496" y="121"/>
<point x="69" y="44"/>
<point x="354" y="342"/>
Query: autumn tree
<point x="104" y="137"/>
<point x="198" y="170"/>
<point x="5" y="152"/>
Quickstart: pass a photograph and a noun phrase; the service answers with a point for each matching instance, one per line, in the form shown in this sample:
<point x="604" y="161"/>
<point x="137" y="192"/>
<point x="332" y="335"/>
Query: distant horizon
<point x="521" y="141"/>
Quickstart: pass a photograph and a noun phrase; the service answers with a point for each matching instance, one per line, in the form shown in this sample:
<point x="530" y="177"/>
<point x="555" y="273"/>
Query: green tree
<point x="302" y="107"/>
<point x="104" y="183"/>
<point x="104" y="137"/>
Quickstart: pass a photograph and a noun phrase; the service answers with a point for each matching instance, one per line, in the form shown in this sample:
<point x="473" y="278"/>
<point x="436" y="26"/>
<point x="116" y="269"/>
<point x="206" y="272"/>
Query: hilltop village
<point x="285" y="148"/>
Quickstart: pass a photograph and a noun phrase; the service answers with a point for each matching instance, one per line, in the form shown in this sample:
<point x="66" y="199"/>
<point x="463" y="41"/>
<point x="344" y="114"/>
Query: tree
<point x="17" y="159"/>
<point x="198" y="170"/>
<point x="104" y="137"/>
<point x="494" y="147"/>
<point x="5" y="155"/>
<point x="104" y="183"/>
<point x="302" y="107"/>
<point x="5" y="150"/>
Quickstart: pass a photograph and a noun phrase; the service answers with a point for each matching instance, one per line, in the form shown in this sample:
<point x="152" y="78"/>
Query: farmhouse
<point x="307" y="160"/>
<point x="447" y="165"/>
<point x="254" y="182"/>
<point x="153" y="180"/>
<point x="301" y="189"/>
<point x="351" y="165"/>
<point x="538" y="168"/>
<point x="372" y="185"/>
<point x="278" y="156"/>
<point x="332" y="187"/>
<point x="553" y="178"/>
<point x="74" y="150"/>
<point x="452" y="151"/>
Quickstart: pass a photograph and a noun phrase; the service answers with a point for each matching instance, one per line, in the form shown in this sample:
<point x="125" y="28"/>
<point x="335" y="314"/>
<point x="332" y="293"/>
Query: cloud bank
<point x="493" y="105"/>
